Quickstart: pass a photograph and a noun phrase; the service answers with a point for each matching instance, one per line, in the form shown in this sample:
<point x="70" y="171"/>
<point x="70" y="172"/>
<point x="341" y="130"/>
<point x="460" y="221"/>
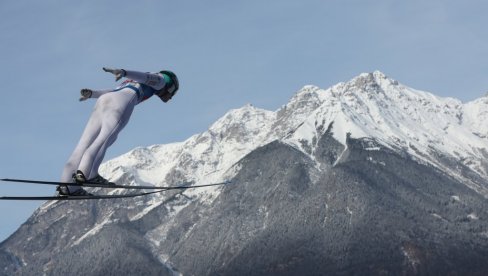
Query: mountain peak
<point x="239" y="116"/>
<point x="371" y="81"/>
<point x="399" y="117"/>
<point x="312" y="96"/>
<point x="375" y="75"/>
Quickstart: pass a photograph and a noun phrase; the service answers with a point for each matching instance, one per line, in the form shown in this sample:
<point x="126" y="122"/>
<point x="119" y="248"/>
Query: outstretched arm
<point x="155" y="80"/>
<point x="89" y="93"/>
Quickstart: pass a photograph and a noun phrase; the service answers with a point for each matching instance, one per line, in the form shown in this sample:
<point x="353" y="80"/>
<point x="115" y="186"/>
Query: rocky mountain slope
<point x="366" y="177"/>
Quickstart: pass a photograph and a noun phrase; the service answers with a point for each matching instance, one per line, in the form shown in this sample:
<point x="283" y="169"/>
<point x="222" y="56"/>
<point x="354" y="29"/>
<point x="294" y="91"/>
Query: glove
<point x="119" y="73"/>
<point x="85" y="94"/>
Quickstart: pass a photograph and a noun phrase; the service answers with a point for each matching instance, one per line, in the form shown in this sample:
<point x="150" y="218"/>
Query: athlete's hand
<point x="119" y="73"/>
<point x="85" y="94"/>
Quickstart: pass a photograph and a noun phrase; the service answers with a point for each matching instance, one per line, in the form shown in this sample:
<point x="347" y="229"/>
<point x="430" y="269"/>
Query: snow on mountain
<point x="203" y="157"/>
<point x="442" y="132"/>
<point x="476" y="117"/>
<point x="400" y="118"/>
<point x="372" y="105"/>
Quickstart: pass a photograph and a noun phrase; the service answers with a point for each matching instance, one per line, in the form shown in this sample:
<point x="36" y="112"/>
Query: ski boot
<point x="80" y="178"/>
<point x="64" y="191"/>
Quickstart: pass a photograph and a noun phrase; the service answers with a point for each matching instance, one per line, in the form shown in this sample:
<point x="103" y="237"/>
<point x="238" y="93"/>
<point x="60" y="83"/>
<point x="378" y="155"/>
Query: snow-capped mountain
<point x="368" y="171"/>
<point x="414" y="122"/>
<point x="371" y="105"/>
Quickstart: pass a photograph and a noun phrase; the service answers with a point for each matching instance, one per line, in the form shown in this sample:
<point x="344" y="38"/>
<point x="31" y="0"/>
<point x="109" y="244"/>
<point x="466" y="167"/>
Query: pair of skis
<point x="155" y="189"/>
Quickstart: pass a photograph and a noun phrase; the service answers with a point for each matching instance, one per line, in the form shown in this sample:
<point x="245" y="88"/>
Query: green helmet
<point x="172" y="84"/>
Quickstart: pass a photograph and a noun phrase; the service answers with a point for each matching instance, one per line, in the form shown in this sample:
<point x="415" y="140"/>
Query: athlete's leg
<point x="96" y="151"/>
<point x="115" y="118"/>
<point x="101" y="153"/>
<point x="89" y="135"/>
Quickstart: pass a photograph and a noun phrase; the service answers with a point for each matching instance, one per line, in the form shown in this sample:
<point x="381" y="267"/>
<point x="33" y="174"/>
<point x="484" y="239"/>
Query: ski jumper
<point x="110" y="115"/>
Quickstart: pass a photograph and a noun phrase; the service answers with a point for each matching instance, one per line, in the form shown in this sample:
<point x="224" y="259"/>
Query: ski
<point x="97" y="185"/>
<point x="62" y="198"/>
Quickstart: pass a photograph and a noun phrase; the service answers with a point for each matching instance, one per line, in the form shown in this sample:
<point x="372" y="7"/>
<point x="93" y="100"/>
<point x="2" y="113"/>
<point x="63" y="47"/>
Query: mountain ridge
<point x="401" y="118"/>
<point x="358" y="117"/>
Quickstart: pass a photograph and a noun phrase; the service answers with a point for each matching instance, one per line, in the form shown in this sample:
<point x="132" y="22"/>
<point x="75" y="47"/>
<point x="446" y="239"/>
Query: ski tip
<point x="7" y="179"/>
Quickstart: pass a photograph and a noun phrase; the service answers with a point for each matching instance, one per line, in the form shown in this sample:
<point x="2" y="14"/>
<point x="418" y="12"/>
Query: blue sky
<point x="226" y="54"/>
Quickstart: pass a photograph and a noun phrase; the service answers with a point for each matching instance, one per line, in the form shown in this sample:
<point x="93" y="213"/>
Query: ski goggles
<point x="171" y="80"/>
<point x="171" y="89"/>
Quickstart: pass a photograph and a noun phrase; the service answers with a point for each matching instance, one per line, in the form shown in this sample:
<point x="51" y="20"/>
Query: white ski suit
<point x="111" y="114"/>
